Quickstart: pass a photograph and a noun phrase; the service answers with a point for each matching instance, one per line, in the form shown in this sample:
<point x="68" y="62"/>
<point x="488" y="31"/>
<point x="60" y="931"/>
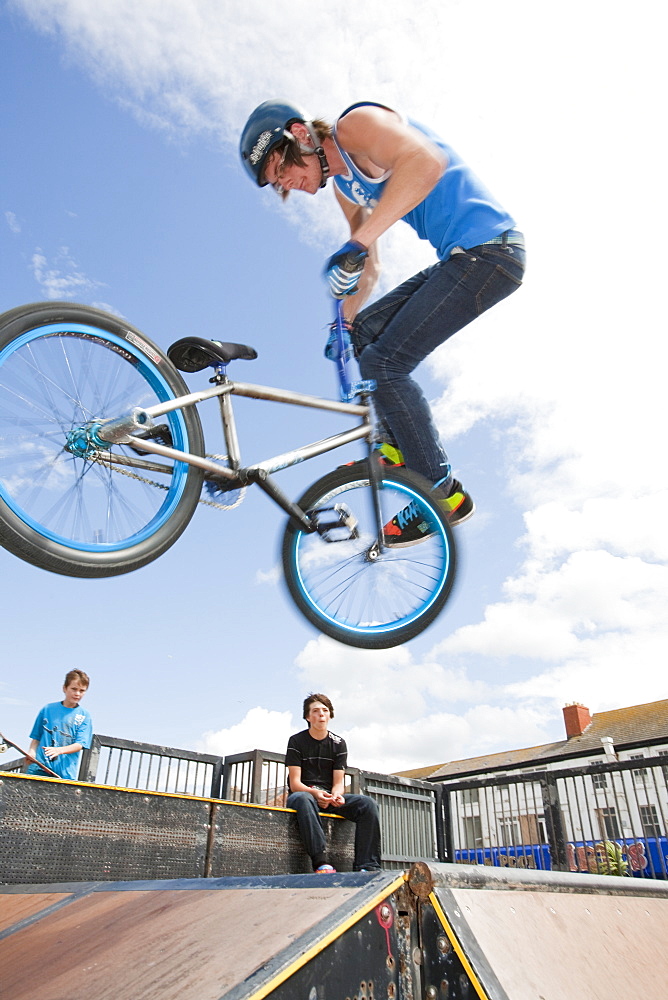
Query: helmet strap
<point x="319" y="152"/>
<point x="324" y="165"/>
<point x="315" y="150"/>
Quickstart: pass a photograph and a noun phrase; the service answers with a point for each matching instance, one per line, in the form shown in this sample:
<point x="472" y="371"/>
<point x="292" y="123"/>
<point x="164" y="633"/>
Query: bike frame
<point x="124" y="429"/>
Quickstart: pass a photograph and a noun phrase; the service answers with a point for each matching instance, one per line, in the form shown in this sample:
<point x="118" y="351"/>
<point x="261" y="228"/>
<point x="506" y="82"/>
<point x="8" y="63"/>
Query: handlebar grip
<point x="353" y="262"/>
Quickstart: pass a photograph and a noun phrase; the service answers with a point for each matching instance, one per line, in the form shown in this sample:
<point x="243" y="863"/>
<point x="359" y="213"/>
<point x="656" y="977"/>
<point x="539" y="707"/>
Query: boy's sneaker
<point x="325" y="870"/>
<point x="387" y="455"/>
<point x="458" y="505"/>
<point x="410" y="526"/>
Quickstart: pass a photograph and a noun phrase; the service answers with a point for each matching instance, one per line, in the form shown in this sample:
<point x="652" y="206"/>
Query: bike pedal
<point x="335" y="524"/>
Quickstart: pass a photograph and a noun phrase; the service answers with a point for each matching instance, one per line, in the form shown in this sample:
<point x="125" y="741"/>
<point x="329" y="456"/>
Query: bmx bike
<point x="102" y="464"/>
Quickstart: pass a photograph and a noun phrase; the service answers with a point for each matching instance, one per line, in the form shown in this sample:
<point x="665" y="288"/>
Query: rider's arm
<point x="355" y="216"/>
<point x="379" y="136"/>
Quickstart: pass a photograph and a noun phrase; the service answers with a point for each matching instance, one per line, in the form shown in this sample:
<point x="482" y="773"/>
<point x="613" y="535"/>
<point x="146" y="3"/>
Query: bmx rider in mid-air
<point x="386" y="168"/>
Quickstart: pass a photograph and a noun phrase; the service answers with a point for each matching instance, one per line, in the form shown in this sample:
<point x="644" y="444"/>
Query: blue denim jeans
<point x="393" y="335"/>
<point x="361" y="809"/>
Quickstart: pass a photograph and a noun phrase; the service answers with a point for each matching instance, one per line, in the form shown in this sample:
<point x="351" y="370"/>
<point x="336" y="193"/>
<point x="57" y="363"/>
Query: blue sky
<point x="120" y="187"/>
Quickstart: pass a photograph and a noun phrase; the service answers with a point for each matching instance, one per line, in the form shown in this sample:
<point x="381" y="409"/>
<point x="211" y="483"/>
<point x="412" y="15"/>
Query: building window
<point x="608" y="823"/>
<point x="470" y="796"/>
<point x="639" y="773"/>
<point x="599" y="780"/>
<point x="650" y="821"/>
<point x="664" y="767"/>
<point x="472" y="829"/>
<point x="509" y="833"/>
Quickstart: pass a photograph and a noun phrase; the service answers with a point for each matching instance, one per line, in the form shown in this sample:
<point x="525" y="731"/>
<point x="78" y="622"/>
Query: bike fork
<point x="375" y="478"/>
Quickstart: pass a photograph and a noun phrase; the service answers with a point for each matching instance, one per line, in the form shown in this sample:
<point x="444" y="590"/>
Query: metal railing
<point x="146" y="766"/>
<point x="607" y="818"/>
<point x="410" y="816"/>
<point x="257" y="776"/>
<point x="261" y="777"/>
<point x="13" y="766"/>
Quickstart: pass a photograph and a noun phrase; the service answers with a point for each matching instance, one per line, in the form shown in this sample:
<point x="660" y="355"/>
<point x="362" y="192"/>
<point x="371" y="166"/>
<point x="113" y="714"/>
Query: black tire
<point x="372" y="603"/>
<point x="63" y="365"/>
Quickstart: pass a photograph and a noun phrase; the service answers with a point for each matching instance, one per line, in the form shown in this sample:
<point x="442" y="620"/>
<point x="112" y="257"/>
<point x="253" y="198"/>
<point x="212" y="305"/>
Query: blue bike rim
<point x="148" y="370"/>
<point x="441" y="580"/>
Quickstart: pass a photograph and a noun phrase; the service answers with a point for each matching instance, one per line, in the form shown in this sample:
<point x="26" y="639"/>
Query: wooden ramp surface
<point x="446" y="932"/>
<point x="545" y="936"/>
<point x="193" y="939"/>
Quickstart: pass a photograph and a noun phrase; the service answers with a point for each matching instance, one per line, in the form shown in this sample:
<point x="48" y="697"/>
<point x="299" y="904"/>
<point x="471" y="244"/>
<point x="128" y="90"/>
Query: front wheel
<point x="66" y="505"/>
<point x="347" y="585"/>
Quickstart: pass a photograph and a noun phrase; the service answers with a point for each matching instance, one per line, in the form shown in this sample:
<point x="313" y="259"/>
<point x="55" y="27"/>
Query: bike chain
<point x="161" y="486"/>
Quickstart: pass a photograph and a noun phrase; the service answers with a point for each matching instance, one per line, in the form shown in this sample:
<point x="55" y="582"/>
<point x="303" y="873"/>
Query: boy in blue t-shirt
<point x="62" y="729"/>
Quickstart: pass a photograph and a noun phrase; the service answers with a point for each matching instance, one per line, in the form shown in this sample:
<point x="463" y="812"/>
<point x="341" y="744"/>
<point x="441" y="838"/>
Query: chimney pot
<point x="576" y="719"/>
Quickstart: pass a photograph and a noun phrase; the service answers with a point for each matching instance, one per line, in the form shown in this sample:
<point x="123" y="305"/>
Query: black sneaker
<point x="410" y="526"/>
<point x="458" y="505"/>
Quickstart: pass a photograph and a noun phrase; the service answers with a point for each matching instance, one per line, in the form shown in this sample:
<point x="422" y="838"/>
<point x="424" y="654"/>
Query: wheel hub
<point x="84" y="442"/>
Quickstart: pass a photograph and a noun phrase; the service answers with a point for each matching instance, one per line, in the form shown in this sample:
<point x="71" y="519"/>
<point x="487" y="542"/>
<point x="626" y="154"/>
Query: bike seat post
<point x="229" y="424"/>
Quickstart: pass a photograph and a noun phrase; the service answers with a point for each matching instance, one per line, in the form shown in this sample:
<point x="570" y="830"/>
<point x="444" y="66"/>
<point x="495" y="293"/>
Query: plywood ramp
<point x="550" y="936"/>
<point x="189" y="939"/>
<point x="441" y="932"/>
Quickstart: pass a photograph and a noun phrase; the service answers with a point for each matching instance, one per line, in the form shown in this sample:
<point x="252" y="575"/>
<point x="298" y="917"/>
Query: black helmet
<point x="267" y="127"/>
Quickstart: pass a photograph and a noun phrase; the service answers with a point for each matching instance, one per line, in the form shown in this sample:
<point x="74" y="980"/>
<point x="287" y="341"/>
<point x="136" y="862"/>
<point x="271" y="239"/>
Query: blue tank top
<point x="459" y="211"/>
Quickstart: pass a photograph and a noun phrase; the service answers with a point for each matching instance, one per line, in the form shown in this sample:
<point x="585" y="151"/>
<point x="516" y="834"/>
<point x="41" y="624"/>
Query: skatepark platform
<point x="439" y="932"/>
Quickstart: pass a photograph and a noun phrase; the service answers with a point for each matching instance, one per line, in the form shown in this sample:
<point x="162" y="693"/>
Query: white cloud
<point x="260" y="729"/>
<point x="61" y="277"/>
<point x="13" y="222"/>
<point x="271" y="576"/>
<point x="391" y="708"/>
<point x="444" y="736"/>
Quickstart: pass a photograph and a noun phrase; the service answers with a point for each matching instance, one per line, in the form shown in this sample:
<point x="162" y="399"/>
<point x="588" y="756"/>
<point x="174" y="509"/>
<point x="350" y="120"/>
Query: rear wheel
<point x="346" y="585"/>
<point x="75" y="509"/>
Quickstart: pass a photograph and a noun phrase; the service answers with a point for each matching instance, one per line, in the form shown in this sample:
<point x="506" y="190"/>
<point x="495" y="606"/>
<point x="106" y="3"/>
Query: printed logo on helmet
<point x="258" y="149"/>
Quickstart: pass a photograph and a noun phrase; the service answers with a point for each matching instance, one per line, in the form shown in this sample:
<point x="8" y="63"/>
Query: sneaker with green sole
<point x="410" y="526"/>
<point x="387" y="455"/>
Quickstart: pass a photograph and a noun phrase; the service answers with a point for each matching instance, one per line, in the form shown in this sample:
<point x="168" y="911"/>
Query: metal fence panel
<point x="147" y="766"/>
<point x="607" y="818"/>
<point x="408" y="817"/>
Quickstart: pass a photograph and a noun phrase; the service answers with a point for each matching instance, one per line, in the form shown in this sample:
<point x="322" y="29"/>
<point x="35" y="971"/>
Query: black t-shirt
<point x="318" y="759"/>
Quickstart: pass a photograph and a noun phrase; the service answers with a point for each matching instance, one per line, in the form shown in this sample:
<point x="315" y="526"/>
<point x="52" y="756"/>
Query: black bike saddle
<point x="193" y="354"/>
